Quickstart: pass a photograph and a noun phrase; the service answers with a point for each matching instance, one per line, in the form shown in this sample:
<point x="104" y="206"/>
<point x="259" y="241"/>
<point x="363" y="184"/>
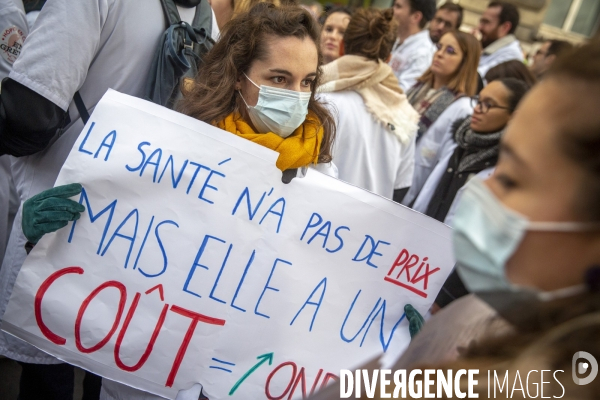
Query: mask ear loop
<point x="240" y="91"/>
<point x="244" y="100"/>
<point x="543" y="226"/>
<point x="251" y="81"/>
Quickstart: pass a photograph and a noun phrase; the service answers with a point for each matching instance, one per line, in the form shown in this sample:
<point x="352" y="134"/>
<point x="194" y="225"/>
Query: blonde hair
<point x="465" y="77"/>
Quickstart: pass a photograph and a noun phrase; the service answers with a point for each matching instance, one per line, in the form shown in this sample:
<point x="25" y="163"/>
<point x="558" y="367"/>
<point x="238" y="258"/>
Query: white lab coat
<point x="12" y="19"/>
<point x="435" y="147"/>
<point x="85" y="45"/>
<point x="502" y="50"/>
<point x="9" y="203"/>
<point x="412" y="58"/>
<point x="366" y="153"/>
<point x="90" y="46"/>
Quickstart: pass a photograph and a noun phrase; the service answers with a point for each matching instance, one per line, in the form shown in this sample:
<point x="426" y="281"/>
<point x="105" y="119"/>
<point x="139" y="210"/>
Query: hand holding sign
<point x="50" y="210"/>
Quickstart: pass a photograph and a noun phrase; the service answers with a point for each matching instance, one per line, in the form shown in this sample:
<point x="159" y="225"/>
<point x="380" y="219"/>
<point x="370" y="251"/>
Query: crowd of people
<point x="398" y="101"/>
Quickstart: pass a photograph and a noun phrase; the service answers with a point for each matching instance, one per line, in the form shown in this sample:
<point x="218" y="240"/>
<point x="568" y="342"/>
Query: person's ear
<point x="505" y="28"/>
<point x="238" y="83"/>
<point x="416" y="17"/>
<point x="342" y="48"/>
<point x="549" y="59"/>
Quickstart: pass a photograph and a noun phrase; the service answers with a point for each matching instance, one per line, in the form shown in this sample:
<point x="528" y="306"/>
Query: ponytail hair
<point x="371" y="33"/>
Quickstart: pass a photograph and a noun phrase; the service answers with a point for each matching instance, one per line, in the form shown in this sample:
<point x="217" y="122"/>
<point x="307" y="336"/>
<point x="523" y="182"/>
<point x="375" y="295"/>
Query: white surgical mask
<point x="486" y="234"/>
<point x="280" y="111"/>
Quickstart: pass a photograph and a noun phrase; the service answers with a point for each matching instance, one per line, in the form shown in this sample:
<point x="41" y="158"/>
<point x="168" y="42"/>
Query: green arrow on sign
<point x="263" y="359"/>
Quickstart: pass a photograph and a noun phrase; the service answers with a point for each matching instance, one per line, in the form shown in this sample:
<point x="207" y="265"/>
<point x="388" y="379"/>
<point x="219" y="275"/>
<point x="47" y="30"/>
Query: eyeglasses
<point x="484" y="105"/>
<point x="448" y="49"/>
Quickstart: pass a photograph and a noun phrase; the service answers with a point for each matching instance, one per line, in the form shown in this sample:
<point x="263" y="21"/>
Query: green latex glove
<point x="415" y="320"/>
<point x="50" y="210"/>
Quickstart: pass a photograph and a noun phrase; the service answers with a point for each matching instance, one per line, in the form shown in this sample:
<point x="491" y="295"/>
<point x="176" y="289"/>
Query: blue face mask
<point x="486" y="234"/>
<point x="280" y="111"/>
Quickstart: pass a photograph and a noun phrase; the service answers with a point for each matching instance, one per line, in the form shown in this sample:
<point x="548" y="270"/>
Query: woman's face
<point x="534" y="178"/>
<point x="447" y="58"/>
<point x="332" y="34"/>
<point x="290" y="63"/>
<point x="495" y="99"/>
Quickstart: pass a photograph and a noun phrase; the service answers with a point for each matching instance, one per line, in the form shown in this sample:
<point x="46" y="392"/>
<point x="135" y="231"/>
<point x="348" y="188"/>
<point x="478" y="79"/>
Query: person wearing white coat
<point x="376" y="126"/>
<point x="13" y="31"/>
<point x="83" y="48"/>
<point x="497" y="26"/>
<point x="441" y="97"/>
<point x="436" y="146"/>
<point x="413" y="49"/>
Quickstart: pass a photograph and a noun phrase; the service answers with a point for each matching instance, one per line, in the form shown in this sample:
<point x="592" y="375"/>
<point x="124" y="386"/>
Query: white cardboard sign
<point x="194" y="263"/>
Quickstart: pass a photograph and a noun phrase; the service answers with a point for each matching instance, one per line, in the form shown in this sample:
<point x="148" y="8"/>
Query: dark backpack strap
<point x="171" y="12"/>
<point x="203" y="17"/>
<point x="83" y="113"/>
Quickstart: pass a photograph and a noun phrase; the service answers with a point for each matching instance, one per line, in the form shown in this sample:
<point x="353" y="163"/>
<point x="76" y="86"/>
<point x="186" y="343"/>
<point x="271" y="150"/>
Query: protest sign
<point x="193" y="262"/>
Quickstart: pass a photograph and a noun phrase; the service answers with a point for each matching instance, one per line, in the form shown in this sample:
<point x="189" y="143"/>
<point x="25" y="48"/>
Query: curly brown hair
<point x="244" y="39"/>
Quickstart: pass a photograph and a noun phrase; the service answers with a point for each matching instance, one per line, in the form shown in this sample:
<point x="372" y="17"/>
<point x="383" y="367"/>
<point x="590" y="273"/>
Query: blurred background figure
<point x="334" y="26"/>
<point x="497" y="26"/>
<point x="376" y="142"/>
<point x="448" y="17"/>
<point x="413" y="50"/>
<point x="511" y="69"/>
<point x="546" y="55"/>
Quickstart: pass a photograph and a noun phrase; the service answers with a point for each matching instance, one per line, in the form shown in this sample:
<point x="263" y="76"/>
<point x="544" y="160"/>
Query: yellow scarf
<point x="299" y="149"/>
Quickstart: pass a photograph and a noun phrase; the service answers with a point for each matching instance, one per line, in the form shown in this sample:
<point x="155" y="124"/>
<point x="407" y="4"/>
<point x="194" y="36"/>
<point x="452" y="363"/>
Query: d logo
<point x="582" y="367"/>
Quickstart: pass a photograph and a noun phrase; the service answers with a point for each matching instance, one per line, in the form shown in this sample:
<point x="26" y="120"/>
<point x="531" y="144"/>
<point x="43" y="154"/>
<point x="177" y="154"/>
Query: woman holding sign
<point x="258" y="83"/>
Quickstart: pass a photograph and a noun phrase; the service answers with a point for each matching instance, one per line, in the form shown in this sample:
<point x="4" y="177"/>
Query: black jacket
<point x="452" y="181"/>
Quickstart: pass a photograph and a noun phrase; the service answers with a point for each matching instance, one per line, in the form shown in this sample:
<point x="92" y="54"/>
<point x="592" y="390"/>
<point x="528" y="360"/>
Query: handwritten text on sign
<point x="193" y="262"/>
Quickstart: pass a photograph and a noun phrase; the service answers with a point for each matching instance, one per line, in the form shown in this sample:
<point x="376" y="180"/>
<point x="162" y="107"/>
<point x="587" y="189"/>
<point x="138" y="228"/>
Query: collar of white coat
<point x="500" y="43"/>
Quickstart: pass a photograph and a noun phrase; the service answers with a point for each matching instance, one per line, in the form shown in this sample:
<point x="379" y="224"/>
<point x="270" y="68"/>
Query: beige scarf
<point x="379" y="88"/>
